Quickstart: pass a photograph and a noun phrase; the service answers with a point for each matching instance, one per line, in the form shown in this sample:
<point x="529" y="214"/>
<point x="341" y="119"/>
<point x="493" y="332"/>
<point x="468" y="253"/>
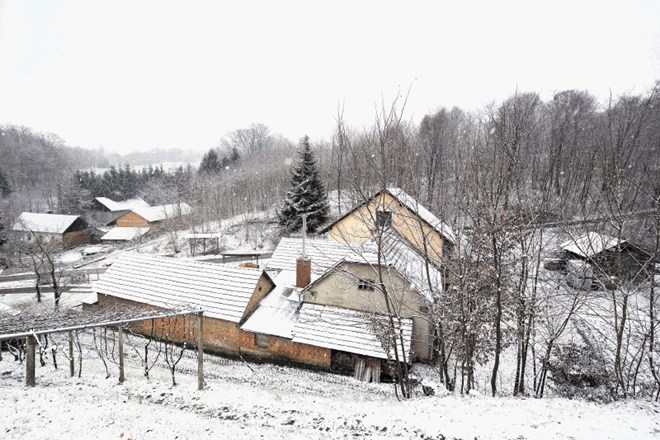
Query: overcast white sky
<point x="133" y="75"/>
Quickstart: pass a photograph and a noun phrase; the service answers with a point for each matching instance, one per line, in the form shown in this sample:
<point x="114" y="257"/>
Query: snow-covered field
<point x="267" y="401"/>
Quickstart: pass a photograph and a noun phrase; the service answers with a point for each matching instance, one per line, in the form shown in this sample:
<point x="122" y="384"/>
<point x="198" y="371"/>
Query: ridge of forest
<point x="562" y="155"/>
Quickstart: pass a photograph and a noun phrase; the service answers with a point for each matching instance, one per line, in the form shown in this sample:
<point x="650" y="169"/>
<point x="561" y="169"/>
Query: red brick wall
<point x="225" y="337"/>
<point x="281" y="348"/>
<point x="219" y="335"/>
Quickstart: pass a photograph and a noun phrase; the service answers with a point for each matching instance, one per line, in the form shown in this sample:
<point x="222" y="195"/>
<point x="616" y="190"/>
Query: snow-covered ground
<point x="267" y="401"/>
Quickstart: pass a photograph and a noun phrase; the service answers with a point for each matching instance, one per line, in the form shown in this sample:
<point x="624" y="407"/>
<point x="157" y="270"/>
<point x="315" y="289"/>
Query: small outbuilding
<point x="123" y="235"/>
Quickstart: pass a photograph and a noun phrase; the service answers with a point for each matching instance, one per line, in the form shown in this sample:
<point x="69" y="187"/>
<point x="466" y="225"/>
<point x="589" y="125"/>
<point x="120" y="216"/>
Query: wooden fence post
<point x="29" y="362"/>
<point x="121" y="354"/>
<point x="200" y="350"/>
<point x="72" y="362"/>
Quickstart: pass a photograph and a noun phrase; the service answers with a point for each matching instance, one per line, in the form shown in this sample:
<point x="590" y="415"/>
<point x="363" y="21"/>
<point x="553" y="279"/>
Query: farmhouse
<point x="394" y="208"/>
<point x="146" y="216"/>
<point x="62" y="230"/>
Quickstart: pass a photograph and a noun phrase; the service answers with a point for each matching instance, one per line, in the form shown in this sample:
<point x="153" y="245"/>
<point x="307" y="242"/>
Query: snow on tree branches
<point x="307" y="194"/>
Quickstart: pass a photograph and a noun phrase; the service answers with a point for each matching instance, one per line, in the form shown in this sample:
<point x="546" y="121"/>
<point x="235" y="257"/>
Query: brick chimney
<point x="303" y="264"/>
<point x="303" y="272"/>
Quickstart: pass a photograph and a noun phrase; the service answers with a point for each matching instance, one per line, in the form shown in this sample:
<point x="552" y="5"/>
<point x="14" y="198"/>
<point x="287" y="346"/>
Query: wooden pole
<point x="121" y="354"/>
<point x="72" y="362"/>
<point x="29" y="362"/>
<point x="200" y="351"/>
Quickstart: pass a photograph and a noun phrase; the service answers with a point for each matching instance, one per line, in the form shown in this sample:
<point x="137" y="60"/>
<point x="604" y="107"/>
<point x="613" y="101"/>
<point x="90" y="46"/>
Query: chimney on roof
<point x="303" y="264"/>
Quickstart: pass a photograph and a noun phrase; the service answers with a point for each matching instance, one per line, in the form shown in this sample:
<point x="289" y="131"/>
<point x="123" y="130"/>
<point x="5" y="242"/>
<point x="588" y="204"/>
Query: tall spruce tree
<point x="307" y="194"/>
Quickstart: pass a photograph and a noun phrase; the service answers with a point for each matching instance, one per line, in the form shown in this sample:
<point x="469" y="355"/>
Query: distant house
<point x="63" y="230"/>
<point x="108" y="205"/>
<point x="147" y="216"/>
<point x="226" y="294"/>
<point x="609" y="256"/>
<point x="394" y="208"/>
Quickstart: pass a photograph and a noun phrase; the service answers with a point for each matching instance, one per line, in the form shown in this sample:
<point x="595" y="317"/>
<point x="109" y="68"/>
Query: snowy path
<point x="278" y="402"/>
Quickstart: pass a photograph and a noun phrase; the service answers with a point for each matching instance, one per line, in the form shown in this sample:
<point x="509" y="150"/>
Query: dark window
<point x="383" y="218"/>
<point x="364" y="284"/>
<point x="261" y="340"/>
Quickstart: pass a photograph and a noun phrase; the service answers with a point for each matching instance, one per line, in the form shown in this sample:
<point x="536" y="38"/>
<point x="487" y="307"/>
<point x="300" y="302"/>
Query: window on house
<point x="365" y="284"/>
<point x="261" y="340"/>
<point x="383" y="218"/>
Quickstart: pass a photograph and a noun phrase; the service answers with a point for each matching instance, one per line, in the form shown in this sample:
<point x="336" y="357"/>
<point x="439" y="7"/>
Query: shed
<point x="122" y="235"/>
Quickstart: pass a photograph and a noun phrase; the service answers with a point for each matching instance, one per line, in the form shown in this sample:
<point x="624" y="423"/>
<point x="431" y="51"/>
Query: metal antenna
<point x="304" y="233"/>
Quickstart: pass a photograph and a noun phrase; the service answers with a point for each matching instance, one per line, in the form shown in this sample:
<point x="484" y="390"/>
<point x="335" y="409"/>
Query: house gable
<point x="351" y="285"/>
<point x="394" y="208"/>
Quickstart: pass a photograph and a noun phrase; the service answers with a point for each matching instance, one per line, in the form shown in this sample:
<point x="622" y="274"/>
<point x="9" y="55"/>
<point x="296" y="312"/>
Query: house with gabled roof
<point x="394" y="208"/>
<point x="143" y="217"/>
<point x="227" y="295"/>
<point x="338" y="304"/>
<point x="63" y="230"/>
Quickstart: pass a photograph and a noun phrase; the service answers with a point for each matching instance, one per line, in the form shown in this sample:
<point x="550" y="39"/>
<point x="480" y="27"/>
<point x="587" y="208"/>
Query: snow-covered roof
<point x="409" y="262"/>
<point x="345" y="330"/>
<point x="222" y="291"/>
<point x="411" y="203"/>
<point x="590" y="244"/>
<point x="124" y="234"/>
<point x="277" y="312"/>
<point x="323" y="253"/>
<point x="49" y="223"/>
<point x="123" y="205"/>
<point x="162" y="212"/>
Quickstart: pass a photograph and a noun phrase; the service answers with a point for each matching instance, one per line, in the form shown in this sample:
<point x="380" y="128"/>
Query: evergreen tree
<point x="210" y="163"/>
<point x="307" y="194"/>
<point x="5" y="188"/>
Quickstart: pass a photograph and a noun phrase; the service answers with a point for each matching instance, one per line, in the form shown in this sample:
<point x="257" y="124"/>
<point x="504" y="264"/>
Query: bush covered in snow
<point x="579" y="371"/>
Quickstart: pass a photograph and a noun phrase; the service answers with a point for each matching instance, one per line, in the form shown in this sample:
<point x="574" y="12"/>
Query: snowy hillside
<point x="266" y="401"/>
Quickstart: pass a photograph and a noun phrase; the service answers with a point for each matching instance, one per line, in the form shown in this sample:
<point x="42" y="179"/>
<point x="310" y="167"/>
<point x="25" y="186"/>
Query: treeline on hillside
<point x="499" y="177"/>
<point x="121" y="183"/>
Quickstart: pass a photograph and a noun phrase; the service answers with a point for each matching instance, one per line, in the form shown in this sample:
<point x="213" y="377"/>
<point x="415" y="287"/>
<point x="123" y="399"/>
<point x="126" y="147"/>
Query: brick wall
<point x="219" y="335"/>
<point x="284" y="349"/>
<point x="224" y="337"/>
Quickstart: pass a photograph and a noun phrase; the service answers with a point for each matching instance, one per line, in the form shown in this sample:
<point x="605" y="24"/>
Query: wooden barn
<point x="62" y="230"/>
<point x="148" y="216"/>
